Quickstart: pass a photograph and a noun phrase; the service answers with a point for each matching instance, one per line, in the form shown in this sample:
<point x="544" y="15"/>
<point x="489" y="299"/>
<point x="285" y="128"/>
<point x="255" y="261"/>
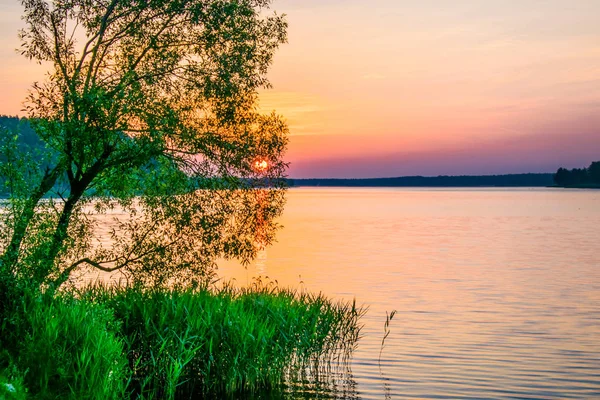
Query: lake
<point x="497" y="291"/>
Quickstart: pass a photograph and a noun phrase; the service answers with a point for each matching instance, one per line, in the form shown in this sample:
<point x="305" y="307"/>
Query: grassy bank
<point x="112" y="343"/>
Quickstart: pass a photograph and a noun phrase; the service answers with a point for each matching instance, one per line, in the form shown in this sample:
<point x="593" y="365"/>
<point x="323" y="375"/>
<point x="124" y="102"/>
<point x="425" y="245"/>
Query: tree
<point x="594" y="172"/>
<point x="149" y="119"/>
<point x="579" y="176"/>
<point x="562" y="177"/>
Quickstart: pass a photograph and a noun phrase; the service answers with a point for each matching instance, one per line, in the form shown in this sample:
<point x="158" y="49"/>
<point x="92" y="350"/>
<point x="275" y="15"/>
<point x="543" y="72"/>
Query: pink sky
<point x="390" y="88"/>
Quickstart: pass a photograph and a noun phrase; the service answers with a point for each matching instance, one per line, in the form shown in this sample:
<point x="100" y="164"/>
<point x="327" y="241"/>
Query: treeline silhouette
<point x="510" y="180"/>
<point x="579" y="177"/>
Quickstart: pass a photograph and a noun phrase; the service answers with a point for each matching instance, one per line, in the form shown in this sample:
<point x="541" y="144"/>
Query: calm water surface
<point x="497" y="291"/>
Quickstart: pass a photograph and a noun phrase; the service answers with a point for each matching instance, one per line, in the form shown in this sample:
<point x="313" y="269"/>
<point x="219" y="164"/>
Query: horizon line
<point x="430" y="176"/>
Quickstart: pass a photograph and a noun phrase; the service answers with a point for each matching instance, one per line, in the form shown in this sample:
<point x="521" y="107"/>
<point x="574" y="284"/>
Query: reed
<point x="386" y="331"/>
<point x="62" y="348"/>
<point x="112" y="342"/>
<point x="182" y="343"/>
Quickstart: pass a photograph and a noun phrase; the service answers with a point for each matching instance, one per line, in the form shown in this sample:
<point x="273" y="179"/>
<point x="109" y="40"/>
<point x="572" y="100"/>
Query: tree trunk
<point x="61" y="232"/>
<point x="10" y="257"/>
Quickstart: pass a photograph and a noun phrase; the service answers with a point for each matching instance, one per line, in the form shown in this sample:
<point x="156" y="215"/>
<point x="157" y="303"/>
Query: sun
<point x="261" y="165"/>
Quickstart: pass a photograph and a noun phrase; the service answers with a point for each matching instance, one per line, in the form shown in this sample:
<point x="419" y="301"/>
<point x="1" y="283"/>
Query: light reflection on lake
<point x="497" y="291"/>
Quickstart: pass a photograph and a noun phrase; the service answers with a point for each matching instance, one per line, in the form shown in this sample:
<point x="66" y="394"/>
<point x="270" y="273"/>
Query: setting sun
<point x="261" y="165"/>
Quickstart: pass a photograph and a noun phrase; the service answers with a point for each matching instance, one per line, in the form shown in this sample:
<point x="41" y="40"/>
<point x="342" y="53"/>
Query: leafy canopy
<point x="156" y="159"/>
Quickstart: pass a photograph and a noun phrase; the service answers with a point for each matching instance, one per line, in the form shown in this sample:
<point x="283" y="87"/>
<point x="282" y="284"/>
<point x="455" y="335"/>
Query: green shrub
<point x="71" y="350"/>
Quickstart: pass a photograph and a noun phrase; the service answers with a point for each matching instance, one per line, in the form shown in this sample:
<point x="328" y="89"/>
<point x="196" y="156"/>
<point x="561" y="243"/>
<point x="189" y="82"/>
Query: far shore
<point x="507" y="180"/>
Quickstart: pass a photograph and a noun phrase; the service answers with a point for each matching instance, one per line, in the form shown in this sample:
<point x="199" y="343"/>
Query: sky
<point x="383" y="88"/>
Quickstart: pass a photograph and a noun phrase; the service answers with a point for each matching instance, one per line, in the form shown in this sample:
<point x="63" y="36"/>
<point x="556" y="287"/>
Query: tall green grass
<point x="183" y="343"/>
<point x="111" y="342"/>
<point x="62" y="348"/>
<point x="12" y="386"/>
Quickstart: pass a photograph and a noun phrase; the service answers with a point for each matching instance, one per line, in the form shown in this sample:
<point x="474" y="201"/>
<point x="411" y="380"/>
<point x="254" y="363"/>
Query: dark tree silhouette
<point x="562" y="177"/>
<point x="594" y="172"/>
<point x="578" y="176"/>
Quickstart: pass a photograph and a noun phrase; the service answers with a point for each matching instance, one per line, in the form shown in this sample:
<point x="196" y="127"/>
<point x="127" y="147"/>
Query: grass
<point x="11" y="384"/>
<point x="65" y="348"/>
<point x="115" y="342"/>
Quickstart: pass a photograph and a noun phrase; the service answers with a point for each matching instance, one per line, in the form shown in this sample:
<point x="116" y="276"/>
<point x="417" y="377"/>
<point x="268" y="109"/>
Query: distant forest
<point x="13" y="125"/>
<point x="27" y="141"/>
<point x="579" y="177"/>
<point x="512" y="180"/>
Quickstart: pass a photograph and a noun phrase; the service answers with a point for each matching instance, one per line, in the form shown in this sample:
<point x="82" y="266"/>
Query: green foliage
<point x="150" y="110"/>
<point x="71" y="350"/>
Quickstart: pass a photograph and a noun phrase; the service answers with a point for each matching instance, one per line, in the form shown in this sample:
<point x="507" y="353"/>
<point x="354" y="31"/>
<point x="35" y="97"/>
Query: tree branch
<point x="103" y="26"/>
<point x="58" y="58"/>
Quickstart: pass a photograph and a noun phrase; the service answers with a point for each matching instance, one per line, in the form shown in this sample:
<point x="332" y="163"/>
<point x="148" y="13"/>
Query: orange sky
<point x="389" y="87"/>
